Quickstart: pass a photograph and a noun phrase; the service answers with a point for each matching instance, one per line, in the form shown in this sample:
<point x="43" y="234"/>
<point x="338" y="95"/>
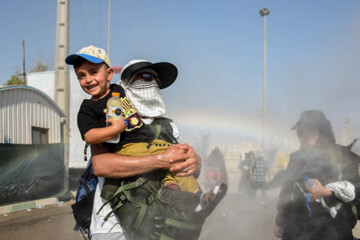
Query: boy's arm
<point x="100" y="135"/>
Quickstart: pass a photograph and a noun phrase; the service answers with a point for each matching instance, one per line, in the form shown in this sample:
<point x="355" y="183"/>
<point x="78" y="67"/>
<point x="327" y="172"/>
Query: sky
<point x="313" y="55"/>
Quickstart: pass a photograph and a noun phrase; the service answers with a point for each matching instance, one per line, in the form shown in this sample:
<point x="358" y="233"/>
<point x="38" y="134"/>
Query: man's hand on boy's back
<point x="117" y="125"/>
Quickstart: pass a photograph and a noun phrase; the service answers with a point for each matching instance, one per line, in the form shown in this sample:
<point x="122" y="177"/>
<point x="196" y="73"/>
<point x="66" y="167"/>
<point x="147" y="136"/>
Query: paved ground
<point x="238" y="218"/>
<point x="235" y="218"/>
<point x="54" y="222"/>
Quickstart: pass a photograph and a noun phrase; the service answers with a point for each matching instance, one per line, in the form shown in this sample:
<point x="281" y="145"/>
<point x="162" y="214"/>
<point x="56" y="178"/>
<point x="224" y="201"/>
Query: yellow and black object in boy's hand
<point x="132" y="118"/>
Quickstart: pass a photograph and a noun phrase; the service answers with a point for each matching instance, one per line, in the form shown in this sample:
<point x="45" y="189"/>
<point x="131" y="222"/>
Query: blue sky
<point x="313" y="55"/>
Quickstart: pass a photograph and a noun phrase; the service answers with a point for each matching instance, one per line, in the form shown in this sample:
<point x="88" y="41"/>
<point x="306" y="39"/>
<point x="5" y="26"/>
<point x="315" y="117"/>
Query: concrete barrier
<point x="23" y="206"/>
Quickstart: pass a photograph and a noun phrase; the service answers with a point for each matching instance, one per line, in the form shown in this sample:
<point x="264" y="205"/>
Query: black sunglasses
<point x="148" y="76"/>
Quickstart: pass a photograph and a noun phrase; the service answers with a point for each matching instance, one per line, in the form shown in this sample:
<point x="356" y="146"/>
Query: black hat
<point x="311" y="119"/>
<point x="166" y="71"/>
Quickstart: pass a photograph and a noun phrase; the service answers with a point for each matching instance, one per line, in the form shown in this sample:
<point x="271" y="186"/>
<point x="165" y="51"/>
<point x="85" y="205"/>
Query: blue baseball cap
<point x="90" y="53"/>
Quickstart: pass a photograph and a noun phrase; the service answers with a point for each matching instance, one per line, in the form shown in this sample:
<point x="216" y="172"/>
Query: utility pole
<point x="62" y="82"/>
<point x="24" y="73"/>
<point x="263" y="13"/>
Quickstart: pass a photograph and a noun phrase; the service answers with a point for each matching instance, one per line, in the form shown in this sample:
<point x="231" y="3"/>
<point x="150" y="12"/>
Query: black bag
<point x="82" y="211"/>
<point x="82" y="208"/>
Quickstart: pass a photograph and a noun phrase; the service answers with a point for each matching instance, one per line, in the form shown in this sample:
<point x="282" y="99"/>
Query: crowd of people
<point x="148" y="186"/>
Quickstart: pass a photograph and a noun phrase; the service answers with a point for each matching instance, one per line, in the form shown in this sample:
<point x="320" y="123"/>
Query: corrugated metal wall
<point x="44" y="81"/>
<point x="24" y="107"/>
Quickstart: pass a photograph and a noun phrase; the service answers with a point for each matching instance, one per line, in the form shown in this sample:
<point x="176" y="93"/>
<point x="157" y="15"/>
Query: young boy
<point x="93" y="69"/>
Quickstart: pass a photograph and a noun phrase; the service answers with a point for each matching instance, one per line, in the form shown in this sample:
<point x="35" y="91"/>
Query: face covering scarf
<point x="145" y="96"/>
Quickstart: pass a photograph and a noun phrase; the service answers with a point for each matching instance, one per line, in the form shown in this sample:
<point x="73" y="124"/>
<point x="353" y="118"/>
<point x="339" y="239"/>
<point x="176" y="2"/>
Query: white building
<point x="29" y="116"/>
<point x="45" y="82"/>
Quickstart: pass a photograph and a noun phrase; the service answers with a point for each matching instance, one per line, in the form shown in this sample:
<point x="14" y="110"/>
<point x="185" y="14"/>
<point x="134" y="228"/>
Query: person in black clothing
<point x="303" y="212"/>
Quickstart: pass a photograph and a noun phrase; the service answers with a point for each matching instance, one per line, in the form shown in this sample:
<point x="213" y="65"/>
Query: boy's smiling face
<point x="94" y="79"/>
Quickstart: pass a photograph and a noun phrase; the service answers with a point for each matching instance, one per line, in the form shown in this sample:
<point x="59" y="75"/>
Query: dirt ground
<point x="53" y="222"/>
<point x="234" y="218"/>
<point x="239" y="218"/>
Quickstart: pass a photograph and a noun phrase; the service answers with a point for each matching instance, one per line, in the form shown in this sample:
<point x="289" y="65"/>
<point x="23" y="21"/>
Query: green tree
<point x="40" y="67"/>
<point x="14" y="80"/>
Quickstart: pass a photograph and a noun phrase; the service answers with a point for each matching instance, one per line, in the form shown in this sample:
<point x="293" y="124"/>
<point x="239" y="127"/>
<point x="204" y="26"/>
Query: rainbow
<point x="204" y="124"/>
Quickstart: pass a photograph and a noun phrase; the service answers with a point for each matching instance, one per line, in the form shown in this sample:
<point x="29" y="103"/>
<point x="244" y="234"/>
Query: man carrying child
<point x="94" y="72"/>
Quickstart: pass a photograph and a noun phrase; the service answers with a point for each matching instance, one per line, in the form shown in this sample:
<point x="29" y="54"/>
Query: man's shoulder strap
<point x="162" y="121"/>
<point x="162" y="129"/>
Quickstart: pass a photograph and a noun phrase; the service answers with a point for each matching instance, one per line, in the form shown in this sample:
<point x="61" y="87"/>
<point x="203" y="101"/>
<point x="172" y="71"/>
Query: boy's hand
<point x="117" y="124"/>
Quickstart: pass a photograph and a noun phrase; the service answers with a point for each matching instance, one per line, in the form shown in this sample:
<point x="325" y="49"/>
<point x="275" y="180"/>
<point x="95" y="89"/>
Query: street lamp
<point x="263" y="13"/>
